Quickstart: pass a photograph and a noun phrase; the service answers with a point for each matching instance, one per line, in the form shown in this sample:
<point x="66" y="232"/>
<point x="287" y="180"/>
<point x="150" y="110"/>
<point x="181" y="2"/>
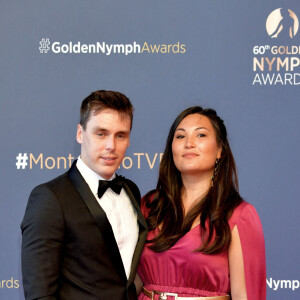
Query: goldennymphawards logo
<point x="108" y="49"/>
<point x="278" y="284"/>
<point x="282" y="22"/>
<point x="44" y="46"/>
<point x="10" y="283"/>
<point x="278" y="64"/>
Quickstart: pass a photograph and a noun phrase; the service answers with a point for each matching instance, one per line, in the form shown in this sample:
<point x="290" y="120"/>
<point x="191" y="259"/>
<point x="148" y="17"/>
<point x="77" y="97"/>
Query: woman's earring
<point x="215" y="171"/>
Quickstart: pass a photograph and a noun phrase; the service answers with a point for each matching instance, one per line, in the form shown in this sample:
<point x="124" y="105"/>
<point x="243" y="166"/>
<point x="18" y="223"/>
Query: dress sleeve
<point x="253" y="248"/>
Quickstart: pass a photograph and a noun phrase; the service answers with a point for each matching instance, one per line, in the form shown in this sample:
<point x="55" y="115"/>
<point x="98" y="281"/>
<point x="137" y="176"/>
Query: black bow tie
<point x="116" y="185"/>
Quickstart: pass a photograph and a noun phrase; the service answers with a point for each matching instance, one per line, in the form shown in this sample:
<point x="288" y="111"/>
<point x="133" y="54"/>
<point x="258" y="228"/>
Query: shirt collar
<point x="91" y="177"/>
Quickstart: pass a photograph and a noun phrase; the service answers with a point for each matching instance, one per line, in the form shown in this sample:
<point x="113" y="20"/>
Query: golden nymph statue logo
<point x="282" y="23"/>
<point x="277" y="62"/>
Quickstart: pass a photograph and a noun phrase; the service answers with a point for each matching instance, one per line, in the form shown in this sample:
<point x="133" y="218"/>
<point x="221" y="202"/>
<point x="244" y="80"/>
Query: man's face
<point x="104" y="141"/>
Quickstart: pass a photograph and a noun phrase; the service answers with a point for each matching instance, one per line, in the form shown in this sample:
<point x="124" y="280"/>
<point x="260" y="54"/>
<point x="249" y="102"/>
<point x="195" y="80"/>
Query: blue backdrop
<point x="165" y="56"/>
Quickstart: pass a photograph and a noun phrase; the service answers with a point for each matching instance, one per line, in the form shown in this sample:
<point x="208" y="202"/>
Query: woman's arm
<point x="138" y="284"/>
<point x="236" y="267"/>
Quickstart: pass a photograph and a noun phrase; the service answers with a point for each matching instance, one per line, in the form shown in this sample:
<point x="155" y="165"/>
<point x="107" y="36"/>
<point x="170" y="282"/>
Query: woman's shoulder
<point x="244" y="212"/>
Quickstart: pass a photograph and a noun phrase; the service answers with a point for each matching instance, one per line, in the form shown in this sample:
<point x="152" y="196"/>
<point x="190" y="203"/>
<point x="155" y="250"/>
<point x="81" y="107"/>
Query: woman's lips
<point x="190" y="155"/>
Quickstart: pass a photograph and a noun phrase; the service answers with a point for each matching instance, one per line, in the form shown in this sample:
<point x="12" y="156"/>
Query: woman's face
<point x="195" y="147"/>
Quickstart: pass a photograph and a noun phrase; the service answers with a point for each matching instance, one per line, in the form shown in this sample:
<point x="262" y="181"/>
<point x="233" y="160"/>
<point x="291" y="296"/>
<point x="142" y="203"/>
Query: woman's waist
<point x="184" y="291"/>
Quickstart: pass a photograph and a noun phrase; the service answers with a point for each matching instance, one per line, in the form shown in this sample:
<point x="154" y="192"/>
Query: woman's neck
<point x="194" y="189"/>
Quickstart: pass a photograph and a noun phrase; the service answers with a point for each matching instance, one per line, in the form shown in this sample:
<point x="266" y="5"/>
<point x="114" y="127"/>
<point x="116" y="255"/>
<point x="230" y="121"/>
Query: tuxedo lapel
<point x="142" y="234"/>
<point x="100" y="217"/>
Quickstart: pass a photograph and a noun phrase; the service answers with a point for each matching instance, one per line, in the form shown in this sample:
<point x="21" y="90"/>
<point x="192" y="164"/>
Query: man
<point x="82" y="238"/>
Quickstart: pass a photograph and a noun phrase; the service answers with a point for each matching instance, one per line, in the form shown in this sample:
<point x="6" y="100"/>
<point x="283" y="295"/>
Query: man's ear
<point x="79" y="135"/>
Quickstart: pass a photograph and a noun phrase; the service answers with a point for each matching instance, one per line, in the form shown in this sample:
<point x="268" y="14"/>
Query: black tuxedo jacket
<point x="68" y="247"/>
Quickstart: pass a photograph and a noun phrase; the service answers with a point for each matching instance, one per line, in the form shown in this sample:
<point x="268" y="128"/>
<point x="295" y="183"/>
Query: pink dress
<point x="191" y="274"/>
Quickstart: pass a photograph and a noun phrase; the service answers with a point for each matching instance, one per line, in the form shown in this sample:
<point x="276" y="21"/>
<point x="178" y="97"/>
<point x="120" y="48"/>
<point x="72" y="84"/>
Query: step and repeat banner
<point x="241" y="58"/>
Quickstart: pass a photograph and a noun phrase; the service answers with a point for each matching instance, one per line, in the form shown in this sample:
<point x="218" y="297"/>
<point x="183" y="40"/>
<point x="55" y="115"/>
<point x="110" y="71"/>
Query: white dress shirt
<point x="120" y="213"/>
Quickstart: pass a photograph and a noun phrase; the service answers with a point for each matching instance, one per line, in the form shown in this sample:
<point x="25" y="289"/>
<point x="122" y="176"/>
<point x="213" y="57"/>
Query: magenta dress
<point x="193" y="274"/>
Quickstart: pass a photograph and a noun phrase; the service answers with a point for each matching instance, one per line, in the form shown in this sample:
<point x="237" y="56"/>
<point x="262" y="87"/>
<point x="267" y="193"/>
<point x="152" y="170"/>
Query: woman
<point x="204" y="240"/>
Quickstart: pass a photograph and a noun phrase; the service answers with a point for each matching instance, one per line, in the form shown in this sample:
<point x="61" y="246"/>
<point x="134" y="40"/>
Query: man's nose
<point x="110" y="143"/>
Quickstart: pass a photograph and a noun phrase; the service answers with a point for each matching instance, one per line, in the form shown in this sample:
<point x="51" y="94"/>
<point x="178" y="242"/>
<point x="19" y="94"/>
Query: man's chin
<point x="107" y="171"/>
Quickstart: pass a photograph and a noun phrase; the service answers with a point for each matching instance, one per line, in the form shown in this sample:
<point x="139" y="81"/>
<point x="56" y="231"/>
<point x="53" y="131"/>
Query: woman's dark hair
<point x="165" y="206"/>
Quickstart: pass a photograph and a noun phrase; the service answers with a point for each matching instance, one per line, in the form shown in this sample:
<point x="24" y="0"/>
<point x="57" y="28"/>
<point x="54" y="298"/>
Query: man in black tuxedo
<point x="83" y="232"/>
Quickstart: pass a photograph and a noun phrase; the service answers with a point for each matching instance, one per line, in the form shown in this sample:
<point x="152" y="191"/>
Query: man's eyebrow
<point x="123" y="132"/>
<point x="97" y="128"/>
